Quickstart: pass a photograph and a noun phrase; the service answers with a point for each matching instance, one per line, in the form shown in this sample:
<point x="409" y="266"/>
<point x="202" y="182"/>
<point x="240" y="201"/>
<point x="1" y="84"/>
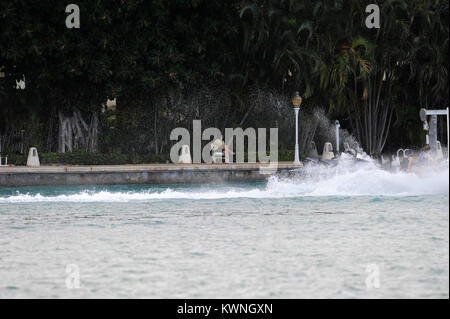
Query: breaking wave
<point x="360" y="180"/>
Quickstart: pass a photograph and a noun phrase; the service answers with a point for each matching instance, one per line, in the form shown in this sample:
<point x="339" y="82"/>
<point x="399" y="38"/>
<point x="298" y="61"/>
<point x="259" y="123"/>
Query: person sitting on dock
<point x="423" y="158"/>
<point x="219" y="145"/>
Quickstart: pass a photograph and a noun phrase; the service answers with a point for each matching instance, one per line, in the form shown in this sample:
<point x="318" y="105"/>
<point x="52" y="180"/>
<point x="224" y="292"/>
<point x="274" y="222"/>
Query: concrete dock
<point x="18" y="176"/>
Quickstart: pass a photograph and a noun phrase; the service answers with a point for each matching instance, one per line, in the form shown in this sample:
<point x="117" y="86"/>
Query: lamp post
<point x="296" y="101"/>
<point x="337" y="135"/>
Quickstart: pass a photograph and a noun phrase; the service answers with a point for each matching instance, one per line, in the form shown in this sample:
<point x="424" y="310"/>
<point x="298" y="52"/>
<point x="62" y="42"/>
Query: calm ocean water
<point x="364" y="233"/>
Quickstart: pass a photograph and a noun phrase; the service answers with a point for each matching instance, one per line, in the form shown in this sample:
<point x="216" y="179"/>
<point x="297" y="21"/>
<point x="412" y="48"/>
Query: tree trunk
<point x="50" y="131"/>
<point x="371" y="125"/>
<point x="155" y="133"/>
<point x="74" y="133"/>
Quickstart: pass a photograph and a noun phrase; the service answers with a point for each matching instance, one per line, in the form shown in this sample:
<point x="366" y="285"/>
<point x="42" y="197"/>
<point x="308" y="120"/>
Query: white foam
<point x="365" y="180"/>
<point x="347" y="180"/>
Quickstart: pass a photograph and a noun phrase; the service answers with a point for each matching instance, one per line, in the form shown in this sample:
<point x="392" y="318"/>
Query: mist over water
<point x="362" y="180"/>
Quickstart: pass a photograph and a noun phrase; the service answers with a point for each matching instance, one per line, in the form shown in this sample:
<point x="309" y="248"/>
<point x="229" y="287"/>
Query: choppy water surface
<point x="325" y="234"/>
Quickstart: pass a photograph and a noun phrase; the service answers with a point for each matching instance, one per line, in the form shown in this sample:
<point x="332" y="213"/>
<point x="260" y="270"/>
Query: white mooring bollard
<point x="185" y="156"/>
<point x="327" y="153"/>
<point x="33" y="157"/>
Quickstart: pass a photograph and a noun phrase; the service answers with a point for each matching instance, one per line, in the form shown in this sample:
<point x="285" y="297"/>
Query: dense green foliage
<point x="229" y="63"/>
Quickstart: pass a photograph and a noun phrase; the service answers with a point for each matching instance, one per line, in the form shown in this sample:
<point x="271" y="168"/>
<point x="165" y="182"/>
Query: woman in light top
<point x="220" y="146"/>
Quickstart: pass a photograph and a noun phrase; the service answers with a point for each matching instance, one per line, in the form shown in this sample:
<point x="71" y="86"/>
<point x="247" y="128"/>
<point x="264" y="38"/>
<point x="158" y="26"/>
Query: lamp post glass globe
<point x="296" y="101"/>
